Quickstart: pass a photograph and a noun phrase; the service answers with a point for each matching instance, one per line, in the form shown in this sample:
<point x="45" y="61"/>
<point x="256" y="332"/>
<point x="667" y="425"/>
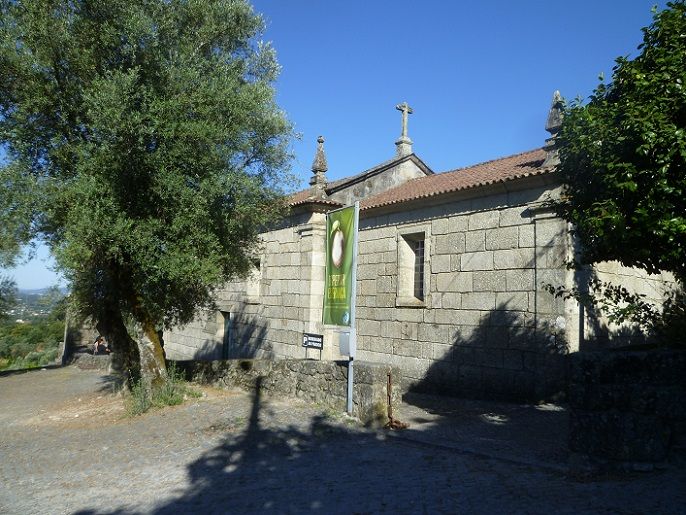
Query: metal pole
<point x="350" y="386"/>
<point x="353" y="304"/>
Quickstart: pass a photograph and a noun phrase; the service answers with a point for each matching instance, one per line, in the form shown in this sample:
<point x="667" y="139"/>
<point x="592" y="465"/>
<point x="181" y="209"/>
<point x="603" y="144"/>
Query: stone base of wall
<point x="628" y="406"/>
<point x="321" y="382"/>
<point x="543" y="379"/>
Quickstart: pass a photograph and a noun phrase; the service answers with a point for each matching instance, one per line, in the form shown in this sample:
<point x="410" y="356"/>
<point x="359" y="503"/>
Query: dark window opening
<point x="418" y="249"/>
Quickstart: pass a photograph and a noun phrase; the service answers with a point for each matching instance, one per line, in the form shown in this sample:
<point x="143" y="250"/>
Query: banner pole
<point x="353" y="304"/>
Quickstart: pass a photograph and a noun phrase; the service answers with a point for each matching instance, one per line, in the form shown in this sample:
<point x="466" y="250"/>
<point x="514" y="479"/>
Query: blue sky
<point x="479" y="76"/>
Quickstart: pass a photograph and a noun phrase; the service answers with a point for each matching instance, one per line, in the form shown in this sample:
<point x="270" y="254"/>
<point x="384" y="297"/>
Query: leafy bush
<point x="27" y="345"/>
<point x="171" y="393"/>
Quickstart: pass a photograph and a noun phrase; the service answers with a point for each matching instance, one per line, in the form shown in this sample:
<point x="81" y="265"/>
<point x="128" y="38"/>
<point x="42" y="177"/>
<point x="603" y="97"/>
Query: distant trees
<point x="35" y="342"/>
<point x="145" y="148"/>
<point x="8" y="296"/>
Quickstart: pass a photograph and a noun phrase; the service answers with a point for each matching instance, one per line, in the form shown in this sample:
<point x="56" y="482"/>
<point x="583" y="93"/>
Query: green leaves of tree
<point x="144" y="145"/>
<point x="623" y="156"/>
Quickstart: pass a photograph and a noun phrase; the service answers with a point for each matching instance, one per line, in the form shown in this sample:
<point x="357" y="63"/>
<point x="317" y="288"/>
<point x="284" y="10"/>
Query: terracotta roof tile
<point x="303" y="197"/>
<point x="500" y="170"/>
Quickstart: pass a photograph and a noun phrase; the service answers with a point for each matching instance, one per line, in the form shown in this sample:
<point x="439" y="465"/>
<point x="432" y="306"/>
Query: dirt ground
<point x="67" y="446"/>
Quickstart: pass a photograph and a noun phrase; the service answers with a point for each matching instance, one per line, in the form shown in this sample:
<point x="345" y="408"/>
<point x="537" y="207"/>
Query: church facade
<point x="451" y="277"/>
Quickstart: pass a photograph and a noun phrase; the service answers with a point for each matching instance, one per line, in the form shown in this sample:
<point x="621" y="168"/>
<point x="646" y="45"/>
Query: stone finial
<point x="404" y="143"/>
<point x="319" y="168"/>
<point x="553" y="125"/>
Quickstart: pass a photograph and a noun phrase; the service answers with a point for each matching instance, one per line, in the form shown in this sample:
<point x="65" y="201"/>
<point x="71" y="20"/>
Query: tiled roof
<point x="303" y="197"/>
<point x="526" y="164"/>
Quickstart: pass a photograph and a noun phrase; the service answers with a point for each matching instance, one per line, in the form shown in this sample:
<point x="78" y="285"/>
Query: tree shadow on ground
<point x="293" y="469"/>
<point x="17" y="371"/>
<point x="314" y="464"/>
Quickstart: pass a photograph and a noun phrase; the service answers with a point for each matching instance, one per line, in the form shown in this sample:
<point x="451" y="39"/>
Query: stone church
<point x="450" y="278"/>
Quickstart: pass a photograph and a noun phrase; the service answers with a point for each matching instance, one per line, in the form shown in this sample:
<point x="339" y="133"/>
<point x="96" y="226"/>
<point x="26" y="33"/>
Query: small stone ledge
<point x="628" y="407"/>
<point x="320" y="382"/>
<point x="90" y="362"/>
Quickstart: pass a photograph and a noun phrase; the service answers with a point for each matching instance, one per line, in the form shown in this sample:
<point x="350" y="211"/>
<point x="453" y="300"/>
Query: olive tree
<point x="145" y="148"/>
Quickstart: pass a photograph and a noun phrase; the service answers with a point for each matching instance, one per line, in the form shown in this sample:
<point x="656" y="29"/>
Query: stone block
<point x="502" y="238"/>
<point x="408" y="315"/>
<point x="448" y="300"/>
<point x="526" y="236"/>
<point x="381" y="345"/>
<point x="448" y="225"/>
<point x="491" y="280"/>
<point x="408" y="330"/>
<point x="484" y="220"/>
<point x="440" y="263"/>
<point x="551" y="232"/>
<point x="515" y="258"/>
<point x="520" y="280"/>
<point x="454" y="282"/>
<point x="470" y="378"/>
<point x="452" y="243"/>
<point x="433" y="333"/>
<point x="552" y="257"/>
<point x="385" y="300"/>
<point x="477" y="261"/>
<point x="369" y="327"/>
<point x="366" y="287"/>
<point x="513" y="216"/>
<point x="513" y="360"/>
<point x="385" y="284"/>
<point x="475" y="241"/>
<point x="478" y="300"/>
<point x="497" y="337"/>
<point x="407" y="348"/>
<point x="441" y="352"/>
<point x="513" y="301"/>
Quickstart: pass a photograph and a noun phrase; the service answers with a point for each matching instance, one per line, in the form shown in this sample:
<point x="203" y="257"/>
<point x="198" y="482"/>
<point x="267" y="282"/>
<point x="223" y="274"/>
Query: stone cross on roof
<point x="404" y="143"/>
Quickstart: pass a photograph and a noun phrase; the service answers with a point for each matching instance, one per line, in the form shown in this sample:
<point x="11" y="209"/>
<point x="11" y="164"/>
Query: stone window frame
<point x="405" y="296"/>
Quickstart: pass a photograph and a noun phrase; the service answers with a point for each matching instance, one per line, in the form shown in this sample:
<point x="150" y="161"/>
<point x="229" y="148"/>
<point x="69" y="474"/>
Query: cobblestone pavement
<point x="66" y="447"/>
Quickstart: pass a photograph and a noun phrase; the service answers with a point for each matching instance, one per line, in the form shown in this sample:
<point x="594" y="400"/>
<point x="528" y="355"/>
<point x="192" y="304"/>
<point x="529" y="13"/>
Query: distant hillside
<point x="41" y="291"/>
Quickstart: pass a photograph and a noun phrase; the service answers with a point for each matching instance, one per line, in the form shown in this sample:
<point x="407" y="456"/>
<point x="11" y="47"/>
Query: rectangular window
<point x="411" y="270"/>
<point x="418" y="249"/>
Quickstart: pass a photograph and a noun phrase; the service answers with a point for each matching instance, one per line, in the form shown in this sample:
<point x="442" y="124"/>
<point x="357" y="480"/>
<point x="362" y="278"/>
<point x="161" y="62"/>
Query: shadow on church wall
<point x="505" y="357"/>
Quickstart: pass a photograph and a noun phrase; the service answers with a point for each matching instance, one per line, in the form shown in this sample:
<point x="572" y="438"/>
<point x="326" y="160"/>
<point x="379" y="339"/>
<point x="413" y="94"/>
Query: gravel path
<point x="66" y="446"/>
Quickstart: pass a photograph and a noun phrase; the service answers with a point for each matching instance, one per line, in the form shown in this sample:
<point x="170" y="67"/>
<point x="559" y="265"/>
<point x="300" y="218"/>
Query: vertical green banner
<point x="341" y="232"/>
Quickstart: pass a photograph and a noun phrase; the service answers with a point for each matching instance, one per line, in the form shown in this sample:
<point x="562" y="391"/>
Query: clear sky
<point x="479" y="76"/>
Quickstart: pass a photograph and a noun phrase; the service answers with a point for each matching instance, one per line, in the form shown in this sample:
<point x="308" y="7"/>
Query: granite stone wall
<point x="485" y="328"/>
<point x="320" y="382"/>
<point x="628" y="406"/>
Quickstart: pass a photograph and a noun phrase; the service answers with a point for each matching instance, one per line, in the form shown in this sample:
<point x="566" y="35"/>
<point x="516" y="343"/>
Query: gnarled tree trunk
<point x="126" y="358"/>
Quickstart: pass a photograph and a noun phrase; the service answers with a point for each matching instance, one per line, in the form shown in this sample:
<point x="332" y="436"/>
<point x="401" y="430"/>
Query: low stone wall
<point x="628" y="406"/>
<point x="321" y="382"/>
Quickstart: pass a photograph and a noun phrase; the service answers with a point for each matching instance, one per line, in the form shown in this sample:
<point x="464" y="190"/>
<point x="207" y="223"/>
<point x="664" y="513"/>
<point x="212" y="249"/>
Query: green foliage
<point x="172" y="392"/>
<point x="8" y="296"/>
<point x="665" y="325"/>
<point x="36" y="343"/>
<point x="144" y="146"/>
<point x="623" y="156"/>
